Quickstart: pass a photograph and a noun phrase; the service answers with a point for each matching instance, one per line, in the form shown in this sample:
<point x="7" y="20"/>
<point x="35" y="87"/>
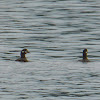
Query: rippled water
<point x="55" y="32"/>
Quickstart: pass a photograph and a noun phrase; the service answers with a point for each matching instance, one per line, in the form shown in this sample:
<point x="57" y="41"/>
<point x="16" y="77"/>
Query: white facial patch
<point x="22" y="51"/>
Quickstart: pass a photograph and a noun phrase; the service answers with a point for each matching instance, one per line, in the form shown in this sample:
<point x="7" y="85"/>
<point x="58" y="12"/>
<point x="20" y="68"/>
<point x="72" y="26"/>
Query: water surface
<point x="55" y="32"/>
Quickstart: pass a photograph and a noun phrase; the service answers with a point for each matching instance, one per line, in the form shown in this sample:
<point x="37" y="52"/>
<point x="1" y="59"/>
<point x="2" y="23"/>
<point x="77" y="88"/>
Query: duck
<point x="85" y="58"/>
<point x="22" y="56"/>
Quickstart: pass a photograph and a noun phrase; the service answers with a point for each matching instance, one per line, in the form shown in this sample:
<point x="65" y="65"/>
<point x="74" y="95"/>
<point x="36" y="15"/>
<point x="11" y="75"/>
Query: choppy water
<point x="55" y="32"/>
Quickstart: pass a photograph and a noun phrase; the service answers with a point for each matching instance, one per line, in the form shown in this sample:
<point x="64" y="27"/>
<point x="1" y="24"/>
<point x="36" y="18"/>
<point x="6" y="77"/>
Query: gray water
<point x="55" y="32"/>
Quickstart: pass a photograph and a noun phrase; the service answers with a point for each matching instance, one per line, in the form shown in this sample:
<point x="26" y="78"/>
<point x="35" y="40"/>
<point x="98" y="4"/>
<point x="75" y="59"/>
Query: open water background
<point x="55" y="32"/>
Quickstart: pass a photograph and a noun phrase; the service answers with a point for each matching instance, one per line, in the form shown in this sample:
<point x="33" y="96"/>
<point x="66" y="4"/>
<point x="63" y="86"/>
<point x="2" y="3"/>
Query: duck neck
<point x="22" y="55"/>
<point x="85" y="56"/>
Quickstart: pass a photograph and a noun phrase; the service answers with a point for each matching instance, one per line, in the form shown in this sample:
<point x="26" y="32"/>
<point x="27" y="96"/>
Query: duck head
<point x="23" y="52"/>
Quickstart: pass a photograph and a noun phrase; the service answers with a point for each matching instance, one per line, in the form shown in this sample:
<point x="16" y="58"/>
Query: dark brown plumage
<point x="85" y="58"/>
<point x="22" y="54"/>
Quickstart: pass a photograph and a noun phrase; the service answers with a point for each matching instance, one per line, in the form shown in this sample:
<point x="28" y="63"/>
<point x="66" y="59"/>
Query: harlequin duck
<point x="22" y="54"/>
<point x="85" y="58"/>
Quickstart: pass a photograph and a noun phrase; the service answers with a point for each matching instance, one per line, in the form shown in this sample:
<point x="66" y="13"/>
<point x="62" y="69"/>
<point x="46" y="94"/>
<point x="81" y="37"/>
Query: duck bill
<point x="28" y="51"/>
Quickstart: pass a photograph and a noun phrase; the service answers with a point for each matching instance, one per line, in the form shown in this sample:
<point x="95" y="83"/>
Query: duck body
<point x="22" y="59"/>
<point x="22" y="56"/>
<point x="85" y="60"/>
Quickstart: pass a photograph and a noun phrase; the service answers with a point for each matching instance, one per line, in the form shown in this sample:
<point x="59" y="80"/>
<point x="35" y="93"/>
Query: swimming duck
<point x="22" y="54"/>
<point x="85" y="58"/>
